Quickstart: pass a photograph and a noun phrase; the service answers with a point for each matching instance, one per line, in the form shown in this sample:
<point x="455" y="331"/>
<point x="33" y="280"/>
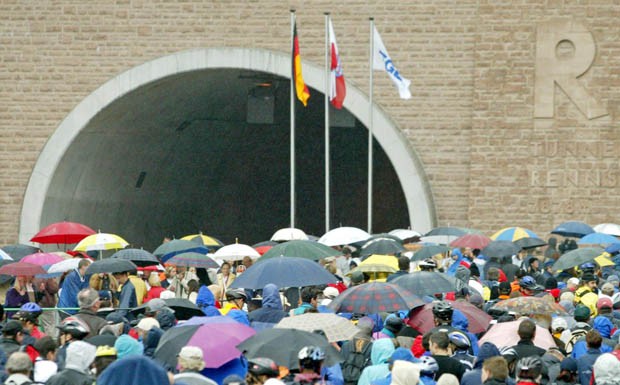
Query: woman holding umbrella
<point x="21" y="293"/>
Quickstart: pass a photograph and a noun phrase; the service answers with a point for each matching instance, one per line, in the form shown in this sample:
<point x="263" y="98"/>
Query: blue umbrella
<point x="168" y="250"/>
<point x="613" y="248"/>
<point x="284" y="272"/>
<point x="598" y="239"/>
<point x="573" y="229"/>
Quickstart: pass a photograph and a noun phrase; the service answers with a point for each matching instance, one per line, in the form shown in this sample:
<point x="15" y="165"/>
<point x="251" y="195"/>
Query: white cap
<point x="147" y="323"/>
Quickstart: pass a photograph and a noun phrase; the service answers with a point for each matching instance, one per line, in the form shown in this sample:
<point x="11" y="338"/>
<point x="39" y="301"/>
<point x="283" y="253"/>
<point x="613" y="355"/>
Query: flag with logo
<point x="338" y="89"/>
<point x="301" y="90"/>
<point x="383" y="62"/>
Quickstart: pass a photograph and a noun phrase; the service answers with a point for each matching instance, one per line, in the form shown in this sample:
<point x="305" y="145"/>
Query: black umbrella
<point x="573" y="229"/>
<point x="283" y="272"/>
<point x="184" y="309"/>
<point x="140" y="257"/>
<point x="429" y="251"/>
<point x="577" y="257"/>
<point x="500" y="249"/>
<point x="283" y="345"/>
<point x="529" y="243"/>
<point x="167" y="250"/>
<point x="19" y="251"/>
<point x="382" y="246"/>
<point x="429" y="283"/>
<point x="111" y="265"/>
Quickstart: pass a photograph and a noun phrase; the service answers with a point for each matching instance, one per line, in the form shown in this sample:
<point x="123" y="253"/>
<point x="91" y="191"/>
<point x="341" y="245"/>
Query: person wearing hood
<point x="606" y="370"/>
<point x="460" y="322"/>
<point x="551" y="252"/>
<point x="18" y="367"/>
<point x="392" y="326"/>
<point x="458" y="260"/>
<point x="380" y="353"/>
<point x="136" y="370"/>
<point x="127" y="346"/>
<point x="271" y="311"/>
<point x="604" y="327"/>
<point x="405" y="373"/>
<point x="474" y="377"/>
<point x="80" y="355"/>
<point x="75" y="281"/>
<point x="206" y="302"/>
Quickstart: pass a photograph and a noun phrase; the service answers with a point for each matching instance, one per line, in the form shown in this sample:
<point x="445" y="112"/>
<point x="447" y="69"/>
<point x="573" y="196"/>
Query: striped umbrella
<point x="101" y="241"/>
<point x="140" y="257"/>
<point x="513" y="234"/>
<point x="204" y="240"/>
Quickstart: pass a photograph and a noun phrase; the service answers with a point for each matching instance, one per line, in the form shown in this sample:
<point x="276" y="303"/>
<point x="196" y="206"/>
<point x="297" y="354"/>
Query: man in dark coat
<point x="271" y="311"/>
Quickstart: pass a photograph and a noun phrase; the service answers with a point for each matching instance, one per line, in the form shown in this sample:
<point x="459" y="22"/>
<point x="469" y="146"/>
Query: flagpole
<point x="327" y="90"/>
<point x="370" y="123"/>
<point x="292" y="133"/>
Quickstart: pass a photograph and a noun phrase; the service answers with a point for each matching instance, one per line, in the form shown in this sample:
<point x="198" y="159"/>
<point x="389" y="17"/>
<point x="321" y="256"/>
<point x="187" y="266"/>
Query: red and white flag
<point x="338" y="89"/>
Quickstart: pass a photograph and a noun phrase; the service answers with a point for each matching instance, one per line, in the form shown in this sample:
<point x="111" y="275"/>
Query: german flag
<point x="303" y="94"/>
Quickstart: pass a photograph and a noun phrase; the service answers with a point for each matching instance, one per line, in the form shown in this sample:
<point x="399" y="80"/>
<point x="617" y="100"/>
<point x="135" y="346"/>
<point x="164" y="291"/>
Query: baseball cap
<point x="559" y="323"/>
<point x="604" y="302"/>
<point x="156" y="304"/>
<point x="147" y="323"/>
<point x="12" y="328"/>
<point x="191" y="353"/>
<point x="582" y="313"/>
<point x="330" y="292"/>
<point x="613" y="278"/>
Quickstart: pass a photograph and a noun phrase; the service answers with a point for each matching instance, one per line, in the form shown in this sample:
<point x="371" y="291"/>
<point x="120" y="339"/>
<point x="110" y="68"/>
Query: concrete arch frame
<point x="404" y="159"/>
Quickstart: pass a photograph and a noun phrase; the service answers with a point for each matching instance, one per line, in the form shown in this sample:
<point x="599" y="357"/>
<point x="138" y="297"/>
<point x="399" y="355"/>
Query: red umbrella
<point x="63" y="232"/>
<point x="422" y="318"/>
<point x="473" y="241"/>
<point x="21" y="268"/>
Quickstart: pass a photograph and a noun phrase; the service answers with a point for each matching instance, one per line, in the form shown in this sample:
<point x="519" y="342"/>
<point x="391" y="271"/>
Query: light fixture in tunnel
<point x="140" y="180"/>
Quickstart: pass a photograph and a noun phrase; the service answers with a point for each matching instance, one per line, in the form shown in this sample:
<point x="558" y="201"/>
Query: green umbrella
<point x="301" y="249"/>
<point x="429" y="251"/>
<point x="577" y="257"/>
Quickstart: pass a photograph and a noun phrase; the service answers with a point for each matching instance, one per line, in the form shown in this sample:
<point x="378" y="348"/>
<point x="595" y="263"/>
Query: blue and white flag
<point x="382" y="62"/>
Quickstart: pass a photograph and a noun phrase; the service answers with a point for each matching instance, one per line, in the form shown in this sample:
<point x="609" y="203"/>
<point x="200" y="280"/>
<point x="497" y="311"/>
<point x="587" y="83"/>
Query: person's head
<point x="104" y="356"/>
<point x="572" y="284"/>
<point x="72" y="328"/>
<point x="46" y="347"/>
<point x="145" y="325"/>
<point x="394" y="324"/>
<point x="504" y="288"/>
<point x="428" y="366"/>
<point x="236" y="296"/>
<point x="495" y="368"/>
<point x="309" y="295"/>
<point x="83" y="265"/>
<point x="442" y="313"/>
<point x="581" y="313"/>
<point x="606" y="369"/>
<point x="88" y="299"/>
<point x="534" y="263"/>
<point x="13" y="330"/>
<point x="19" y="362"/>
<point x="529" y="368"/>
<point x="405" y="372"/>
<point x="122" y="277"/>
<point x="568" y="370"/>
<point x="191" y="358"/>
<point x="493" y="274"/>
<point x="428" y="264"/>
<point x="439" y="343"/>
<point x="154" y="280"/>
<point x="528" y="286"/>
<point x="247" y="262"/>
<point x="403" y="263"/>
<point x="311" y="359"/>
<point x="604" y="305"/>
<point x="527" y="330"/>
<point x="80" y="355"/>
<point x="225" y="269"/>
<point x="594" y="339"/>
<point x="260" y="370"/>
<point x="590" y="280"/>
<point x="21" y="281"/>
<point x="193" y="286"/>
<point x="459" y="341"/>
<point x="171" y="272"/>
<point x="607" y="289"/>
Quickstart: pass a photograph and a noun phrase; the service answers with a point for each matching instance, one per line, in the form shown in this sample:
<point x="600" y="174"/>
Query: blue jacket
<point x="71" y="286"/>
<point x="379" y="355"/>
<point x="127" y="299"/>
<point x="151" y="341"/>
<point x="584" y="365"/>
<point x="452" y="269"/>
<point x="133" y="370"/>
<point x="460" y="321"/>
<point x="271" y="311"/>
<point x="206" y="302"/>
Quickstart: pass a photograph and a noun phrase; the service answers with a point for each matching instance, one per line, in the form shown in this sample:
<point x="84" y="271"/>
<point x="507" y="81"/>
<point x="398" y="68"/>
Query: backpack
<point x="575" y="335"/>
<point x="356" y="361"/>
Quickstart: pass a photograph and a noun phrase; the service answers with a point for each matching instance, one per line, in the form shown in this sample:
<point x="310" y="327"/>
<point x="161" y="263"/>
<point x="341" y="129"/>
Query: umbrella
<point x="506" y="334"/>
<point x="500" y="249"/>
<point x="428" y="283"/>
<point x="405" y="234"/>
<point x="301" y="249"/>
<point x="422" y="318"/>
<point x="111" y="265"/>
<point x="19" y="251"/>
<point x="217" y="341"/>
<point x="577" y="257"/>
<point x="383" y="246"/>
<point x="289" y="234"/>
<point x="4" y="278"/>
<point x="283" y="272"/>
<point x="608" y="228"/>
<point x="527" y="306"/>
<point x="343" y="236"/>
<point x="573" y="229"/>
<point x="283" y="345"/>
<point x="428" y="252"/>
<point x="513" y="233"/>
<point x="184" y="309"/>
<point x="193" y="259"/>
<point x="167" y="250"/>
<point x="42" y="259"/>
<point x="204" y="240"/>
<point x="473" y="241"/>
<point x="378" y="264"/>
<point x="375" y="297"/>
<point x="64" y="265"/>
<point x="613" y="249"/>
<point x="62" y="232"/>
<point x="21" y="268"/>
<point x="529" y="243"/>
<point x="336" y="328"/>
<point x="235" y="252"/>
<point x="598" y="239"/>
<point x="4" y="256"/>
<point x="101" y="241"/>
<point x="448" y="231"/>
<point x="140" y="257"/>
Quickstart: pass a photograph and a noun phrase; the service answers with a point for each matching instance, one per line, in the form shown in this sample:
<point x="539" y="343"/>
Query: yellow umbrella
<point x="101" y="241"/>
<point x="202" y="239"/>
<point x="603" y="260"/>
<point x="380" y="265"/>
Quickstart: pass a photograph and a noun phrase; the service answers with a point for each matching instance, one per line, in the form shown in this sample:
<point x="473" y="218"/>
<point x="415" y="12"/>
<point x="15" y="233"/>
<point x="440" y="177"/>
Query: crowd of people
<point x="83" y="329"/>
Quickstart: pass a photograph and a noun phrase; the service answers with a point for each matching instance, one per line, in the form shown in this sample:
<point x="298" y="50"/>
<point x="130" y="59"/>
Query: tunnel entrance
<point x="182" y="150"/>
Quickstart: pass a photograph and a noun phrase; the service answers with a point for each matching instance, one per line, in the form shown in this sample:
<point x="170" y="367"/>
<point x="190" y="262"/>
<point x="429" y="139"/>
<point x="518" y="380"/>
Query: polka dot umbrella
<point x="375" y="297"/>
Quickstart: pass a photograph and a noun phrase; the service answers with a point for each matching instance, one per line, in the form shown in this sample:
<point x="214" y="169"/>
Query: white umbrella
<point x="608" y="228"/>
<point x="343" y="236"/>
<point x="236" y="252"/>
<point x="66" y="265"/>
<point x="289" y="234"/>
<point x="101" y="241"/>
<point x="4" y="255"/>
<point x="439" y="239"/>
<point x="405" y="233"/>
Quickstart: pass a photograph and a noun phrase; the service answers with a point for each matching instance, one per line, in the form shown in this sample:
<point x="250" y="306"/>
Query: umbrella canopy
<point x="383" y="246"/>
<point x="529" y="243"/>
<point x="42" y="259"/>
<point x="378" y="264"/>
<point x="526" y="306"/>
<point x="473" y="241"/>
<point x="375" y="297"/>
<point x="301" y="249"/>
<point x="140" y="257"/>
<point x="513" y="234"/>
<point x="598" y="239"/>
<point x="64" y="265"/>
<point x="101" y="241"/>
<point x="21" y="268"/>
<point x="217" y="341"/>
<point x="447" y="230"/>
<point x="428" y="252"/>
<point x="405" y="234"/>
<point x="204" y="240"/>
<point x="283" y="345"/>
<point x="289" y="234"/>
<point x="283" y="272"/>
<point x="336" y="328"/>
<point x="500" y="249"/>
<point x="193" y="259"/>
<point x="574" y="229"/>
<point x="608" y="228"/>
<point x="167" y="250"/>
<point x="577" y="257"/>
<point x="343" y="236"/>
<point x="19" y="251"/>
<point x="505" y="334"/>
<point x="63" y="232"/>
<point x="428" y="283"/>
<point x="422" y="318"/>
<point x="111" y="265"/>
<point x="184" y="309"/>
<point x="236" y="252"/>
<point x="4" y="256"/>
